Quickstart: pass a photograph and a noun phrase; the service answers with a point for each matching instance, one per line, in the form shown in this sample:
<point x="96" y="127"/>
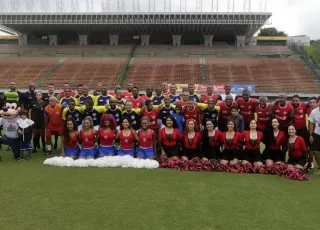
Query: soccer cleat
<point x="311" y="165"/>
<point x="19" y="159"/>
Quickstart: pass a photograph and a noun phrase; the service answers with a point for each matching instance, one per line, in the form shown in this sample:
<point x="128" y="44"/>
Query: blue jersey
<point x="103" y="100"/>
<point x="65" y="102"/>
<point x="84" y="99"/>
<point x="164" y="112"/>
<point x="195" y="97"/>
<point x="174" y="98"/>
<point x="179" y="119"/>
<point x="157" y="100"/>
<point x="121" y="102"/>
<point x="117" y="114"/>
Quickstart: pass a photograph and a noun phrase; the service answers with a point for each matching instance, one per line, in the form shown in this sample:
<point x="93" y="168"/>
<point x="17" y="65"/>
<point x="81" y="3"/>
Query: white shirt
<point x="315" y="119"/>
<point x="10" y="127"/>
<point x="223" y="96"/>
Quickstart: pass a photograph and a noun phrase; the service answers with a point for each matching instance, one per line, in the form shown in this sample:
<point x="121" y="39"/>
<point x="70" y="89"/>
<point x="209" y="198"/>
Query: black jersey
<point x="37" y="113"/>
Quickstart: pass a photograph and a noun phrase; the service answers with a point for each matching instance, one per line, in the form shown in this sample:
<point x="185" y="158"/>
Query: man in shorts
<point x="314" y="131"/>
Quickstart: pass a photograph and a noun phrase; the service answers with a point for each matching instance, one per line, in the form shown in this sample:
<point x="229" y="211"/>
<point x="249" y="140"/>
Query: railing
<point x="125" y="69"/>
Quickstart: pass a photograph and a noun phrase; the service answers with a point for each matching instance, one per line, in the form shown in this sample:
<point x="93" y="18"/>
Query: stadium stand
<point x="153" y="70"/>
<point x="88" y="71"/>
<point x="24" y="70"/>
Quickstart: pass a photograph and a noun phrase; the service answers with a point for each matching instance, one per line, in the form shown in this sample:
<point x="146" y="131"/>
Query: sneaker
<point x="47" y="152"/>
<point x="34" y="150"/>
<point x="311" y="165"/>
<point x="19" y="159"/>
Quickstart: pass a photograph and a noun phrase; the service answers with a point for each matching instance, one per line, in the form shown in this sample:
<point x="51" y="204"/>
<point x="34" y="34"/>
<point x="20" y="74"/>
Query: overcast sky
<point x="295" y="17"/>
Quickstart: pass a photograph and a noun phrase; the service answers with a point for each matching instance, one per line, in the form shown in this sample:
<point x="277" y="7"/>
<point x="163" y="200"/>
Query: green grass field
<point x="34" y="196"/>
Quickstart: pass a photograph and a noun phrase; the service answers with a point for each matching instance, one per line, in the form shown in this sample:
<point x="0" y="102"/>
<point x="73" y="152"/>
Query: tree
<point x="272" y="32"/>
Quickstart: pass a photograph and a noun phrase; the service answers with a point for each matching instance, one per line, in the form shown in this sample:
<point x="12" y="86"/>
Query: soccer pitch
<point x="34" y="196"/>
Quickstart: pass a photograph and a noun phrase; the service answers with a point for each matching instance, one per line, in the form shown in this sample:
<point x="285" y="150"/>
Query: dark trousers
<point x="14" y="143"/>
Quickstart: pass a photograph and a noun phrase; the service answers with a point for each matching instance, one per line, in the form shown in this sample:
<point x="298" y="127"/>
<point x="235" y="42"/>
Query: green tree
<point x="272" y="32"/>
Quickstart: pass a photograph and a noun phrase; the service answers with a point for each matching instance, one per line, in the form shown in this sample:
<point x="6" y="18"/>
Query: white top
<point x="315" y="119"/>
<point x="10" y="127"/>
<point x="223" y="96"/>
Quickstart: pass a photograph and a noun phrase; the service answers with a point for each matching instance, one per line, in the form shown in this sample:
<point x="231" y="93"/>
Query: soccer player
<point x="299" y="117"/>
<point x="136" y="100"/>
<point x="227" y="91"/>
<point x="225" y="112"/>
<point x="166" y="110"/>
<point x="247" y="107"/>
<point x="152" y="114"/>
<point x="210" y="113"/>
<point x="164" y="89"/>
<point x="36" y="113"/>
<point x="148" y="95"/>
<point x="73" y="111"/>
<point x="191" y="111"/>
<point x="107" y="134"/>
<point x="192" y="95"/>
<point x="95" y="112"/>
<point x="127" y="137"/>
<point x="147" y="141"/>
<point x="69" y="139"/>
<point x="158" y="98"/>
<point x="118" y="87"/>
<point x="29" y="97"/>
<point x="80" y="91"/>
<point x="312" y="104"/>
<point x="127" y="95"/>
<point x="191" y="141"/>
<point x="87" y="97"/>
<point x="298" y="152"/>
<point x="184" y="99"/>
<point x="263" y="115"/>
<point x="67" y="97"/>
<point x="133" y="115"/>
<point x="51" y="93"/>
<point x="237" y="119"/>
<point x="210" y="95"/>
<point x="119" y="100"/>
<point x="252" y="139"/>
<point x="115" y="111"/>
<point x="283" y="111"/>
<point x="98" y="91"/>
<point x="62" y="95"/>
<point x="314" y="131"/>
<point x="174" y="97"/>
<point x="88" y="137"/>
<point x="103" y="98"/>
<point x="53" y="121"/>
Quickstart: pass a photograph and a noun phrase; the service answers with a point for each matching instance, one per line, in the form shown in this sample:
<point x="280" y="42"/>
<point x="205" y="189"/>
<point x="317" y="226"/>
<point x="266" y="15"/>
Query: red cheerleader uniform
<point x="252" y="151"/>
<point x="169" y="142"/>
<point x="191" y="147"/>
<point x="230" y="151"/>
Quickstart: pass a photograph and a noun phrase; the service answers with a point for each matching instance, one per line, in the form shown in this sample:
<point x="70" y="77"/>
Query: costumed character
<point x="10" y="116"/>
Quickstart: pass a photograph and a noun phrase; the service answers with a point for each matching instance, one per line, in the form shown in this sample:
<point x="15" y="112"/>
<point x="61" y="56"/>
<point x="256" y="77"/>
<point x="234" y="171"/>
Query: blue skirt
<point x="125" y="152"/>
<point x="145" y="153"/>
<point x="71" y="152"/>
<point x="25" y="145"/>
<point x="92" y="152"/>
<point x="107" y="150"/>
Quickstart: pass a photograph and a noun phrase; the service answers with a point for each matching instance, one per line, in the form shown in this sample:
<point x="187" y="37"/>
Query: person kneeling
<point x="147" y="141"/>
<point x="87" y="137"/>
<point x="191" y="141"/>
<point x="69" y="139"/>
<point x="298" y="152"/>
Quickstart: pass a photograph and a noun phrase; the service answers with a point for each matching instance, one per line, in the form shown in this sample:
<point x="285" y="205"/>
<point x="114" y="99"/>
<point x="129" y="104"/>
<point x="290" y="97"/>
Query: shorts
<point x="304" y="133"/>
<point x="251" y="155"/>
<point x="126" y="152"/>
<point x="106" y="150"/>
<point x="315" y="146"/>
<point x="51" y="132"/>
<point x="211" y="153"/>
<point x="145" y="153"/>
<point x="190" y="153"/>
<point x="275" y="155"/>
<point x="172" y="151"/>
<point x="297" y="161"/>
<point x="25" y="145"/>
<point x="88" y="152"/>
<point x="230" y="154"/>
<point x="72" y="152"/>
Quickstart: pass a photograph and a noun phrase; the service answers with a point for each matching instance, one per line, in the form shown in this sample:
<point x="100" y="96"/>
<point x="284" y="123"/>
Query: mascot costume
<point x="9" y="117"/>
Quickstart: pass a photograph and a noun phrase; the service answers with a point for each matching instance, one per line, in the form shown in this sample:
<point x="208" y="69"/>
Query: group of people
<point x="167" y="124"/>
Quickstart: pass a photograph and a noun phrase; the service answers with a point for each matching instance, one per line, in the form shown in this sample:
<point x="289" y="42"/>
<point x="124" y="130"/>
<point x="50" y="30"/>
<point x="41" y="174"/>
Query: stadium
<point x="148" y="48"/>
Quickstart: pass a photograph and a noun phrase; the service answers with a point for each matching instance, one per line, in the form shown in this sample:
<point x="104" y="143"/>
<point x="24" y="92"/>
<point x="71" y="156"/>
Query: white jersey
<point x="223" y="96"/>
<point x="315" y="119"/>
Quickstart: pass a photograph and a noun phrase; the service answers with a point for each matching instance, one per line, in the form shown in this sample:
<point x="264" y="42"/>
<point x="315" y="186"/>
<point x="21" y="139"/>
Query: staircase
<point x="203" y="70"/>
<point x="126" y="68"/>
<point x="49" y="73"/>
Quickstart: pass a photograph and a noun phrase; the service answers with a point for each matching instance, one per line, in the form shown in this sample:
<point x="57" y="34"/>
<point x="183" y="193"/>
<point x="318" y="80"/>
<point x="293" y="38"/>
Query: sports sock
<point x="49" y="148"/>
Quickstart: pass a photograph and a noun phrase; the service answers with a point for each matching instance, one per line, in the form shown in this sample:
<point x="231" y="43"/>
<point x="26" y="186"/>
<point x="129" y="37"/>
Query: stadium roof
<point x="177" y="23"/>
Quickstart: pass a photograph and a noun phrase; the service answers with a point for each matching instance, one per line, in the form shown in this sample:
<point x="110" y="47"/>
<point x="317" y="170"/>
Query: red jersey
<point x="145" y="97"/>
<point x="205" y="98"/>
<point x="283" y="113"/>
<point x="247" y="141"/>
<point x="262" y="116"/>
<point x="182" y="103"/>
<point x="192" y="144"/>
<point x="126" y="95"/>
<point x="166" y="93"/>
<point x="247" y="109"/>
<point x="62" y="94"/>
<point x="280" y="140"/>
<point x="299" y="116"/>
<point x="73" y="142"/>
<point x="136" y="103"/>
<point x="106" y="138"/>
<point x="126" y="143"/>
<point x="192" y="114"/>
<point x="224" y="113"/>
<point x="309" y="110"/>
<point x="236" y="139"/>
<point x="88" y="140"/>
<point x="164" y="140"/>
<point x="146" y="140"/>
<point x="54" y="115"/>
<point x="299" y="148"/>
<point x="153" y="117"/>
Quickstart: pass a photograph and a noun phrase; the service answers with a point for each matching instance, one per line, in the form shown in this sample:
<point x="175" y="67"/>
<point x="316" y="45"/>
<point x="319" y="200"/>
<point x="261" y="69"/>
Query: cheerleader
<point x="298" y="152"/>
<point x="251" y="149"/>
<point x="275" y="145"/>
<point x="191" y="141"/>
<point x="70" y="139"/>
<point x="88" y="139"/>
<point x="127" y="137"/>
<point x="168" y="139"/>
<point x="106" y="135"/>
<point x="147" y="141"/>
<point x="211" y="141"/>
<point x="230" y="139"/>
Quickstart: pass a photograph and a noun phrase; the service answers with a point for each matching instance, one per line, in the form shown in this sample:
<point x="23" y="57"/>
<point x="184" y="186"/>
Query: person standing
<point x="225" y="112"/>
<point x="192" y="95"/>
<point x="227" y="91"/>
<point x="25" y="133"/>
<point x="314" y="131"/>
<point x="237" y="119"/>
<point x="210" y="95"/>
<point x="247" y="107"/>
<point x="283" y="111"/>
